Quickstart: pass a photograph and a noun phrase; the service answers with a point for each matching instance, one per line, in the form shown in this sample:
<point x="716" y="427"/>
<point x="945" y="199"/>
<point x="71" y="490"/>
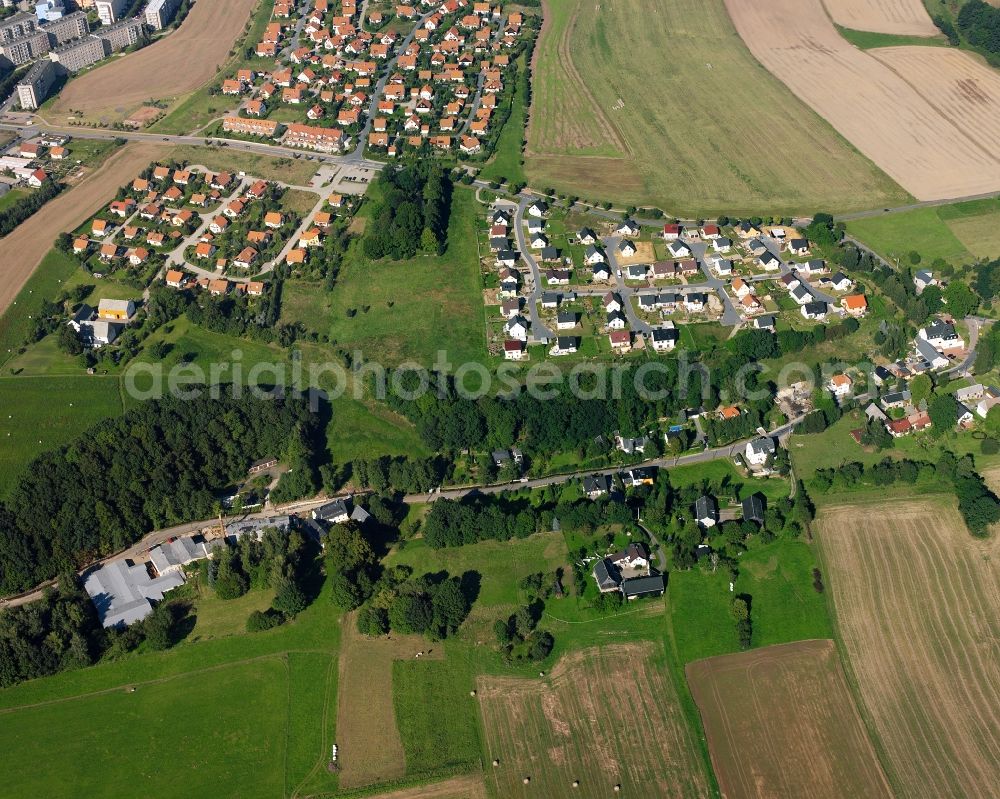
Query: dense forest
<point x="159" y="464"/>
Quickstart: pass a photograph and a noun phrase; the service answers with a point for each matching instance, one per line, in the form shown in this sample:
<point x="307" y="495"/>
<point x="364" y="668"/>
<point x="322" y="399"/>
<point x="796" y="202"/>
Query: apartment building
<point x="121" y="35"/>
<point x="251" y="127"/>
<point x="16" y="26"/>
<point x="110" y="11"/>
<point x="159" y="13"/>
<point x="72" y="26"/>
<point x="26" y="48"/>
<point x="326" y="140"/>
<point x="33" y="88"/>
<point x="79" y="55"/>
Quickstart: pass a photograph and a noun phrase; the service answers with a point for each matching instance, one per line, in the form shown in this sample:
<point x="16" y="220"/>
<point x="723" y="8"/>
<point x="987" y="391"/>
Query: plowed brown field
<point x="24" y="248"/>
<point x="606" y="716"/>
<point x="781" y="721"/>
<point x="935" y="143"/>
<point x="167" y="69"/>
<point x="906" y="17"/>
<point x="918" y="606"/>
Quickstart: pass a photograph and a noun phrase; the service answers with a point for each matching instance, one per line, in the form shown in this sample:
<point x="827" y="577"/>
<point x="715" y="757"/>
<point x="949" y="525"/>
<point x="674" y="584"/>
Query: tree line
<point x="15" y="214"/>
<point x="978" y="505"/>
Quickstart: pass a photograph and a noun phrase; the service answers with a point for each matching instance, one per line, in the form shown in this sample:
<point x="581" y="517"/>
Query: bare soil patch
<point x="167" y="69"/>
<point x="781" y="721"/>
<point x="918" y="606"/>
<point x="370" y="750"/>
<point x="606" y="716"/>
<point x="24" y="248"/>
<point x="878" y="100"/>
<point x="905" y="17"/>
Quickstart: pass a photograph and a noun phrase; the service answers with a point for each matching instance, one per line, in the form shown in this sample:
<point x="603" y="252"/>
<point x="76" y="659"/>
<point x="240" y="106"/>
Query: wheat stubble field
<point x="781" y="721"/>
<point x="906" y="17"/>
<point x="917" y="601"/>
<point x="643" y="101"/>
<point x="167" y="69"/>
<point x="878" y="101"/>
<point x="605" y="716"/>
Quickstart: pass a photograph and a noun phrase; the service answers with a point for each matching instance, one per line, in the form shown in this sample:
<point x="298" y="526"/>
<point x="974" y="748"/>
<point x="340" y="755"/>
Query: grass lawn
<point x="507" y="156"/>
<point x="176" y="747"/>
<point x="923" y="230"/>
<point x="784" y="605"/>
<point x="501" y="564"/>
<point x="47" y="282"/>
<point x="436" y="716"/>
<point x="298" y="171"/>
<point x="604" y="138"/>
<point x="409" y="310"/>
<point x="867" y="40"/>
<point x="12" y="197"/>
<point x="236" y="715"/>
<point x="43" y="413"/>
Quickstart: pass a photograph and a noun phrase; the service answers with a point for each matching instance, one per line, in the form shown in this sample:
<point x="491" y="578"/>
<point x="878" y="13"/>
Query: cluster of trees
<point x="518" y="635"/>
<point x="278" y="560"/>
<point x="721" y="431"/>
<point x="412" y="212"/>
<point x="61" y="631"/>
<point x="988" y="349"/>
<point x="241" y="315"/>
<point x="979" y="22"/>
<point x="744" y="627"/>
<point x="448" y="422"/>
<point x="352" y="568"/>
<point x="157" y="465"/>
<point x="15" y="214"/>
<point x="452" y="523"/>
<point x="431" y="605"/>
<point x="410" y="475"/>
<point x="978" y="505"/>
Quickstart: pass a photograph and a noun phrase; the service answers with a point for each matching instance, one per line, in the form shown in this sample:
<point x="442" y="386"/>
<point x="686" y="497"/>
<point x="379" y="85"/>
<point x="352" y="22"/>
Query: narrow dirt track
<point x="24" y="248"/>
<point x="174" y="66"/>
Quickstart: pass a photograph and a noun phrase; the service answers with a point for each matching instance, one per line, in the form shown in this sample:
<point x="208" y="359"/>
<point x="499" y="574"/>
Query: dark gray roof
<point x="705" y="507"/>
<point x="606" y="574"/>
<point x="567" y="342"/>
<point x="640" y="586"/>
<point x="596" y="483"/>
<point x="815" y="307"/>
<point x="666" y="334"/>
<point x="753" y="508"/>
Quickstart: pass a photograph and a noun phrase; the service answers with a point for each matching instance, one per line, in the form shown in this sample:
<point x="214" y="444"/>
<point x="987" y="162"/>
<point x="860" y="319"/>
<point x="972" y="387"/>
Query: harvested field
<point x="166" y="70"/>
<point x="877" y="99"/>
<point x="918" y="605"/>
<point x="25" y="247"/>
<point x="370" y="748"/>
<point x="781" y="721"/>
<point x="469" y="786"/>
<point x="670" y="138"/>
<point x="905" y="17"/>
<point x="605" y="716"/>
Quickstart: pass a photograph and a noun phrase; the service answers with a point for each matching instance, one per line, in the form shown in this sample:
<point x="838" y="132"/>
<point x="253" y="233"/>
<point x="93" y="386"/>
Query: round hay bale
<point x="576" y="783"/>
<point x="526" y="780"/>
<point x="472" y="693"/>
<point x="617" y="788"/>
<point x="496" y="763"/>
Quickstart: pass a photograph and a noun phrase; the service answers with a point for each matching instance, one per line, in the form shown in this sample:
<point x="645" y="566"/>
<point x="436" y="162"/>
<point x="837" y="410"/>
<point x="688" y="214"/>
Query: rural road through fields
<point x="26" y="246"/>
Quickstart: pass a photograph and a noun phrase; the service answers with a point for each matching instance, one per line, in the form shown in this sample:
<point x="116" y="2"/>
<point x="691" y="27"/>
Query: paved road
<point x="539" y="330"/>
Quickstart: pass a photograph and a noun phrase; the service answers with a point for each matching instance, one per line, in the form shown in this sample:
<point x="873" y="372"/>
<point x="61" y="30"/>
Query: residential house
<point x="706" y="511"/>
<point x="758" y="450"/>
